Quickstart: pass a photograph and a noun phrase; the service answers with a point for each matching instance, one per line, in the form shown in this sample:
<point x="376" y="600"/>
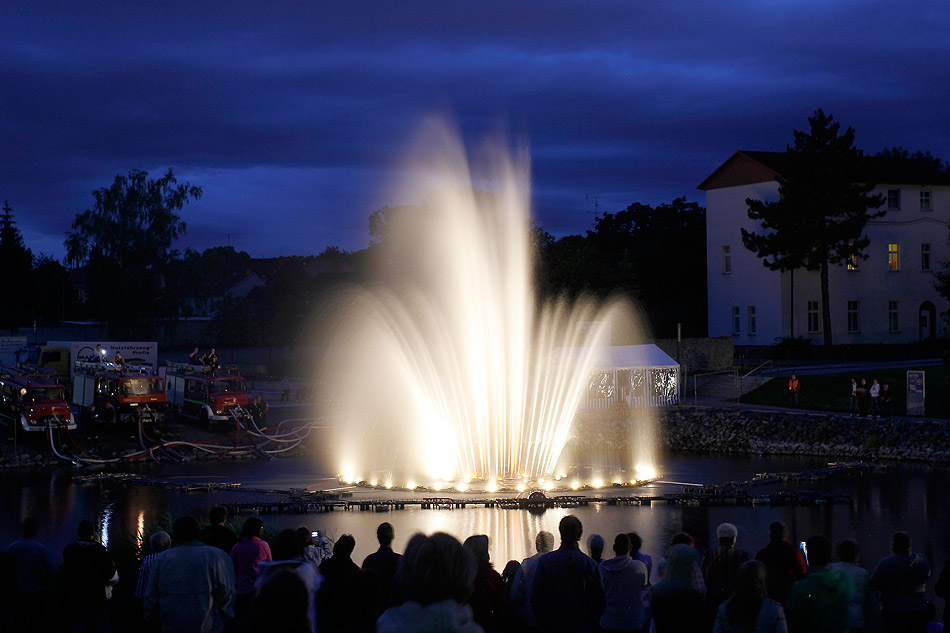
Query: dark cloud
<point x="293" y="116"/>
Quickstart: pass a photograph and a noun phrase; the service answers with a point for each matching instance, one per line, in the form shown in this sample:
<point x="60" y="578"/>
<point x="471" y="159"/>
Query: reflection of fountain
<point x="443" y="374"/>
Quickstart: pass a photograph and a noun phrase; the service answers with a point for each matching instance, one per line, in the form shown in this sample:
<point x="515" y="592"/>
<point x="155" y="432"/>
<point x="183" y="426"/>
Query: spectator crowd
<point x="212" y="580"/>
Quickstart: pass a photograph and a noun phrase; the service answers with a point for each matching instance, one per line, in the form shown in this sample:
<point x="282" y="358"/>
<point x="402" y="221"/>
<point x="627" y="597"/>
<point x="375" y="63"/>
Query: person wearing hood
<point x="437" y="576"/>
<point x="624" y="580"/>
<point x="749" y="609"/>
<point x="901" y="580"/>
<point x="819" y="602"/>
<point x="490" y="601"/>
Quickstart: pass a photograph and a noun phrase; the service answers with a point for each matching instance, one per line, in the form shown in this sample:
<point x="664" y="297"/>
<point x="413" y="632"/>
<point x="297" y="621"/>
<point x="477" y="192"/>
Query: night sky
<point x="294" y="117"/>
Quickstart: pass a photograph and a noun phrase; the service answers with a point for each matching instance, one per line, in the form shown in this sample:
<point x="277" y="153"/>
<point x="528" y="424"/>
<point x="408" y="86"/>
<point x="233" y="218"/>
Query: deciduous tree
<point x="125" y="244"/>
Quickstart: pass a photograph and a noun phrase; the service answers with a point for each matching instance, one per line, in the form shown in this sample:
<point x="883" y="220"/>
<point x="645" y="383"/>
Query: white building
<point x="887" y="298"/>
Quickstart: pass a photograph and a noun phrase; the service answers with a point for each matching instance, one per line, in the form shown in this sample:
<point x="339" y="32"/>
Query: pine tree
<point x="824" y="204"/>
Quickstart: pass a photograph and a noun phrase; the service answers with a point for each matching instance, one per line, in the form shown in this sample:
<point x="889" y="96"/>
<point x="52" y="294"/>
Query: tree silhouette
<point x="823" y="208"/>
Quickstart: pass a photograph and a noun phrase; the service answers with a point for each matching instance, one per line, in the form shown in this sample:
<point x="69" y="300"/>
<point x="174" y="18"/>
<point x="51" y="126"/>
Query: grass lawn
<point x="830" y="392"/>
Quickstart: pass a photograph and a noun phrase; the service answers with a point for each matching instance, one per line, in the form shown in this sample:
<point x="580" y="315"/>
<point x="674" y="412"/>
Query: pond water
<point x="906" y="497"/>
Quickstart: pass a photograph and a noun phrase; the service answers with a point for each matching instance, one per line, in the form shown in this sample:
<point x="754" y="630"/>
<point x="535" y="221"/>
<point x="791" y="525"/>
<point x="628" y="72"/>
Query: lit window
<point x="813" y="320"/>
<point x="893" y="318"/>
<point x="852" y="259"/>
<point x="925" y="201"/>
<point x="726" y="259"/>
<point x="893" y="199"/>
<point x="853" y="307"/>
<point x="751" y="321"/>
<point x="925" y="257"/>
<point x="894" y="257"/>
<point x="736" y="323"/>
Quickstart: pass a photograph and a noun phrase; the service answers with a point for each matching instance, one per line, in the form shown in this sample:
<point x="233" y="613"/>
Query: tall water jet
<point x="445" y="369"/>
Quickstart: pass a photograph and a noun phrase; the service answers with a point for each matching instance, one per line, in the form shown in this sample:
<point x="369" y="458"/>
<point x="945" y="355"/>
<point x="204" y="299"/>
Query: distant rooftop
<point x="750" y="166"/>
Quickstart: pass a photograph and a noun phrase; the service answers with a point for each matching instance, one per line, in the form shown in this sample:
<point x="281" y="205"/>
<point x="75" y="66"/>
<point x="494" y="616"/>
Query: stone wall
<point x="781" y="433"/>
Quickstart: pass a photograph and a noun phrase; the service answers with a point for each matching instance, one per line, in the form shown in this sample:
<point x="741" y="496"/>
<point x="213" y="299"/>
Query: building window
<point x="894" y="257"/>
<point x="852" y="259"/>
<point x="813" y="319"/>
<point x="736" y="323"/>
<point x="853" y="307"/>
<point x="925" y="201"/>
<point x="925" y="257"/>
<point x="893" y="318"/>
<point x="751" y="323"/>
<point x="726" y="259"/>
<point x="893" y="199"/>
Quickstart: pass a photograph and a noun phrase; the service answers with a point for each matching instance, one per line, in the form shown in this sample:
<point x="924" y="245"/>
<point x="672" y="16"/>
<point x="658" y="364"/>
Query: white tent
<point x="639" y="375"/>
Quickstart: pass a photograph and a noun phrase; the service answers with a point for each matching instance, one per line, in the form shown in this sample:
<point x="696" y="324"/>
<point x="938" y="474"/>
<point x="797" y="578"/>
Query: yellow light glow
<point x="548" y="486"/>
<point x="463" y="487"/>
<point x="410" y="484"/>
<point x="598" y="483"/>
<point x="521" y="487"/>
<point x="645" y="471"/>
<point x="437" y="486"/>
<point x="373" y="482"/>
<point x="492" y="486"/>
<point x="575" y="485"/>
<point x="389" y="484"/>
<point x="541" y="482"/>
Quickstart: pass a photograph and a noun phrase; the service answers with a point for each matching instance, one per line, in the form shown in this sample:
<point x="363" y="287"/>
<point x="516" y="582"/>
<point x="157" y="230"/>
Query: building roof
<point x="621" y="356"/>
<point x="747" y="167"/>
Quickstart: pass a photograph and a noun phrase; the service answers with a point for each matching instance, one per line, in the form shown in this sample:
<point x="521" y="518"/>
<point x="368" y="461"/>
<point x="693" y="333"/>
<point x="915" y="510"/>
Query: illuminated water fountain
<point x="444" y="374"/>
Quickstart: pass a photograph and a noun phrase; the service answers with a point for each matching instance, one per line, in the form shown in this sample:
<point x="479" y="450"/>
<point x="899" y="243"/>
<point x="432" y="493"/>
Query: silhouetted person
<point x="720" y="567"/>
<point x="684" y="538"/>
<point x="247" y="555"/>
<point x="490" y="601"/>
<point x="35" y="570"/>
<point x="863" y="605"/>
<point x="383" y="564"/>
<point x="194" y="358"/>
<point x="340" y="601"/>
<point x="676" y="604"/>
<point x="749" y="609"/>
<point x="217" y="534"/>
<point x="509" y="573"/>
<point x="595" y="545"/>
<point x="900" y="579"/>
<point x="624" y="581"/>
<point x="10" y="591"/>
<point x="87" y="569"/>
<point x="636" y="544"/>
<point x="436" y="578"/>
<point x="784" y="562"/>
<point x="191" y="586"/>
<point x="819" y="602"/>
<point x="287" y="550"/>
<point x="282" y="604"/>
<point x="159" y="542"/>
<point x="567" y="594"/>
<point x="524" y="580"/>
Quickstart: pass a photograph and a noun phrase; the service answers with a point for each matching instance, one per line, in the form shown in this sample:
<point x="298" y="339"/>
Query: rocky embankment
<point x="782" y="433"/>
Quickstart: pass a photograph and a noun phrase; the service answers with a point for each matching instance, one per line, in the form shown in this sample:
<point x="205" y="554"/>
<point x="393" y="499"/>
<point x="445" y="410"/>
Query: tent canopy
<point x="621" y="356"/>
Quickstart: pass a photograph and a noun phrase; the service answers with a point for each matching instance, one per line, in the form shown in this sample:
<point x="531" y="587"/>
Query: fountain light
<point x="575" y="485"/>
<point x="411" y="485"/>
<point x="597" y="482"/>
<point x="389" y="484"/>
<point x="521" y="487"/>
<point x="548" y="486"/>
<point x="462" y="487"/>
<point x="492" y="486"/>
<point x="645" y="471"/>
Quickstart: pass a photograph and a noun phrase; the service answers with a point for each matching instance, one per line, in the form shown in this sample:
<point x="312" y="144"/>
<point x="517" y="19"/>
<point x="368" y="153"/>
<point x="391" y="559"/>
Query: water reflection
<point x="910" y="498"/>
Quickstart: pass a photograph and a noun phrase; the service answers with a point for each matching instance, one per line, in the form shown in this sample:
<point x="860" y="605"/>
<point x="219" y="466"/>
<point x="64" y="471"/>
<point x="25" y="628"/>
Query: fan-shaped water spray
<point x="444" y="371"/>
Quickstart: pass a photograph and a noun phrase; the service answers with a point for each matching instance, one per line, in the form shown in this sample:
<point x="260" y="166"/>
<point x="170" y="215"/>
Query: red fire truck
<point x="206" y="394"/>
<point x="122" y="393"/>
<point x="33" y="399"/>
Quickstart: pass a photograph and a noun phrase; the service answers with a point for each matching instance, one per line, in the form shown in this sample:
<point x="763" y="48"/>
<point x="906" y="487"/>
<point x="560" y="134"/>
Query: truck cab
<point x="34" y="400"/>
<point x="204" y="393"/>
<point x="121" y="393"/>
